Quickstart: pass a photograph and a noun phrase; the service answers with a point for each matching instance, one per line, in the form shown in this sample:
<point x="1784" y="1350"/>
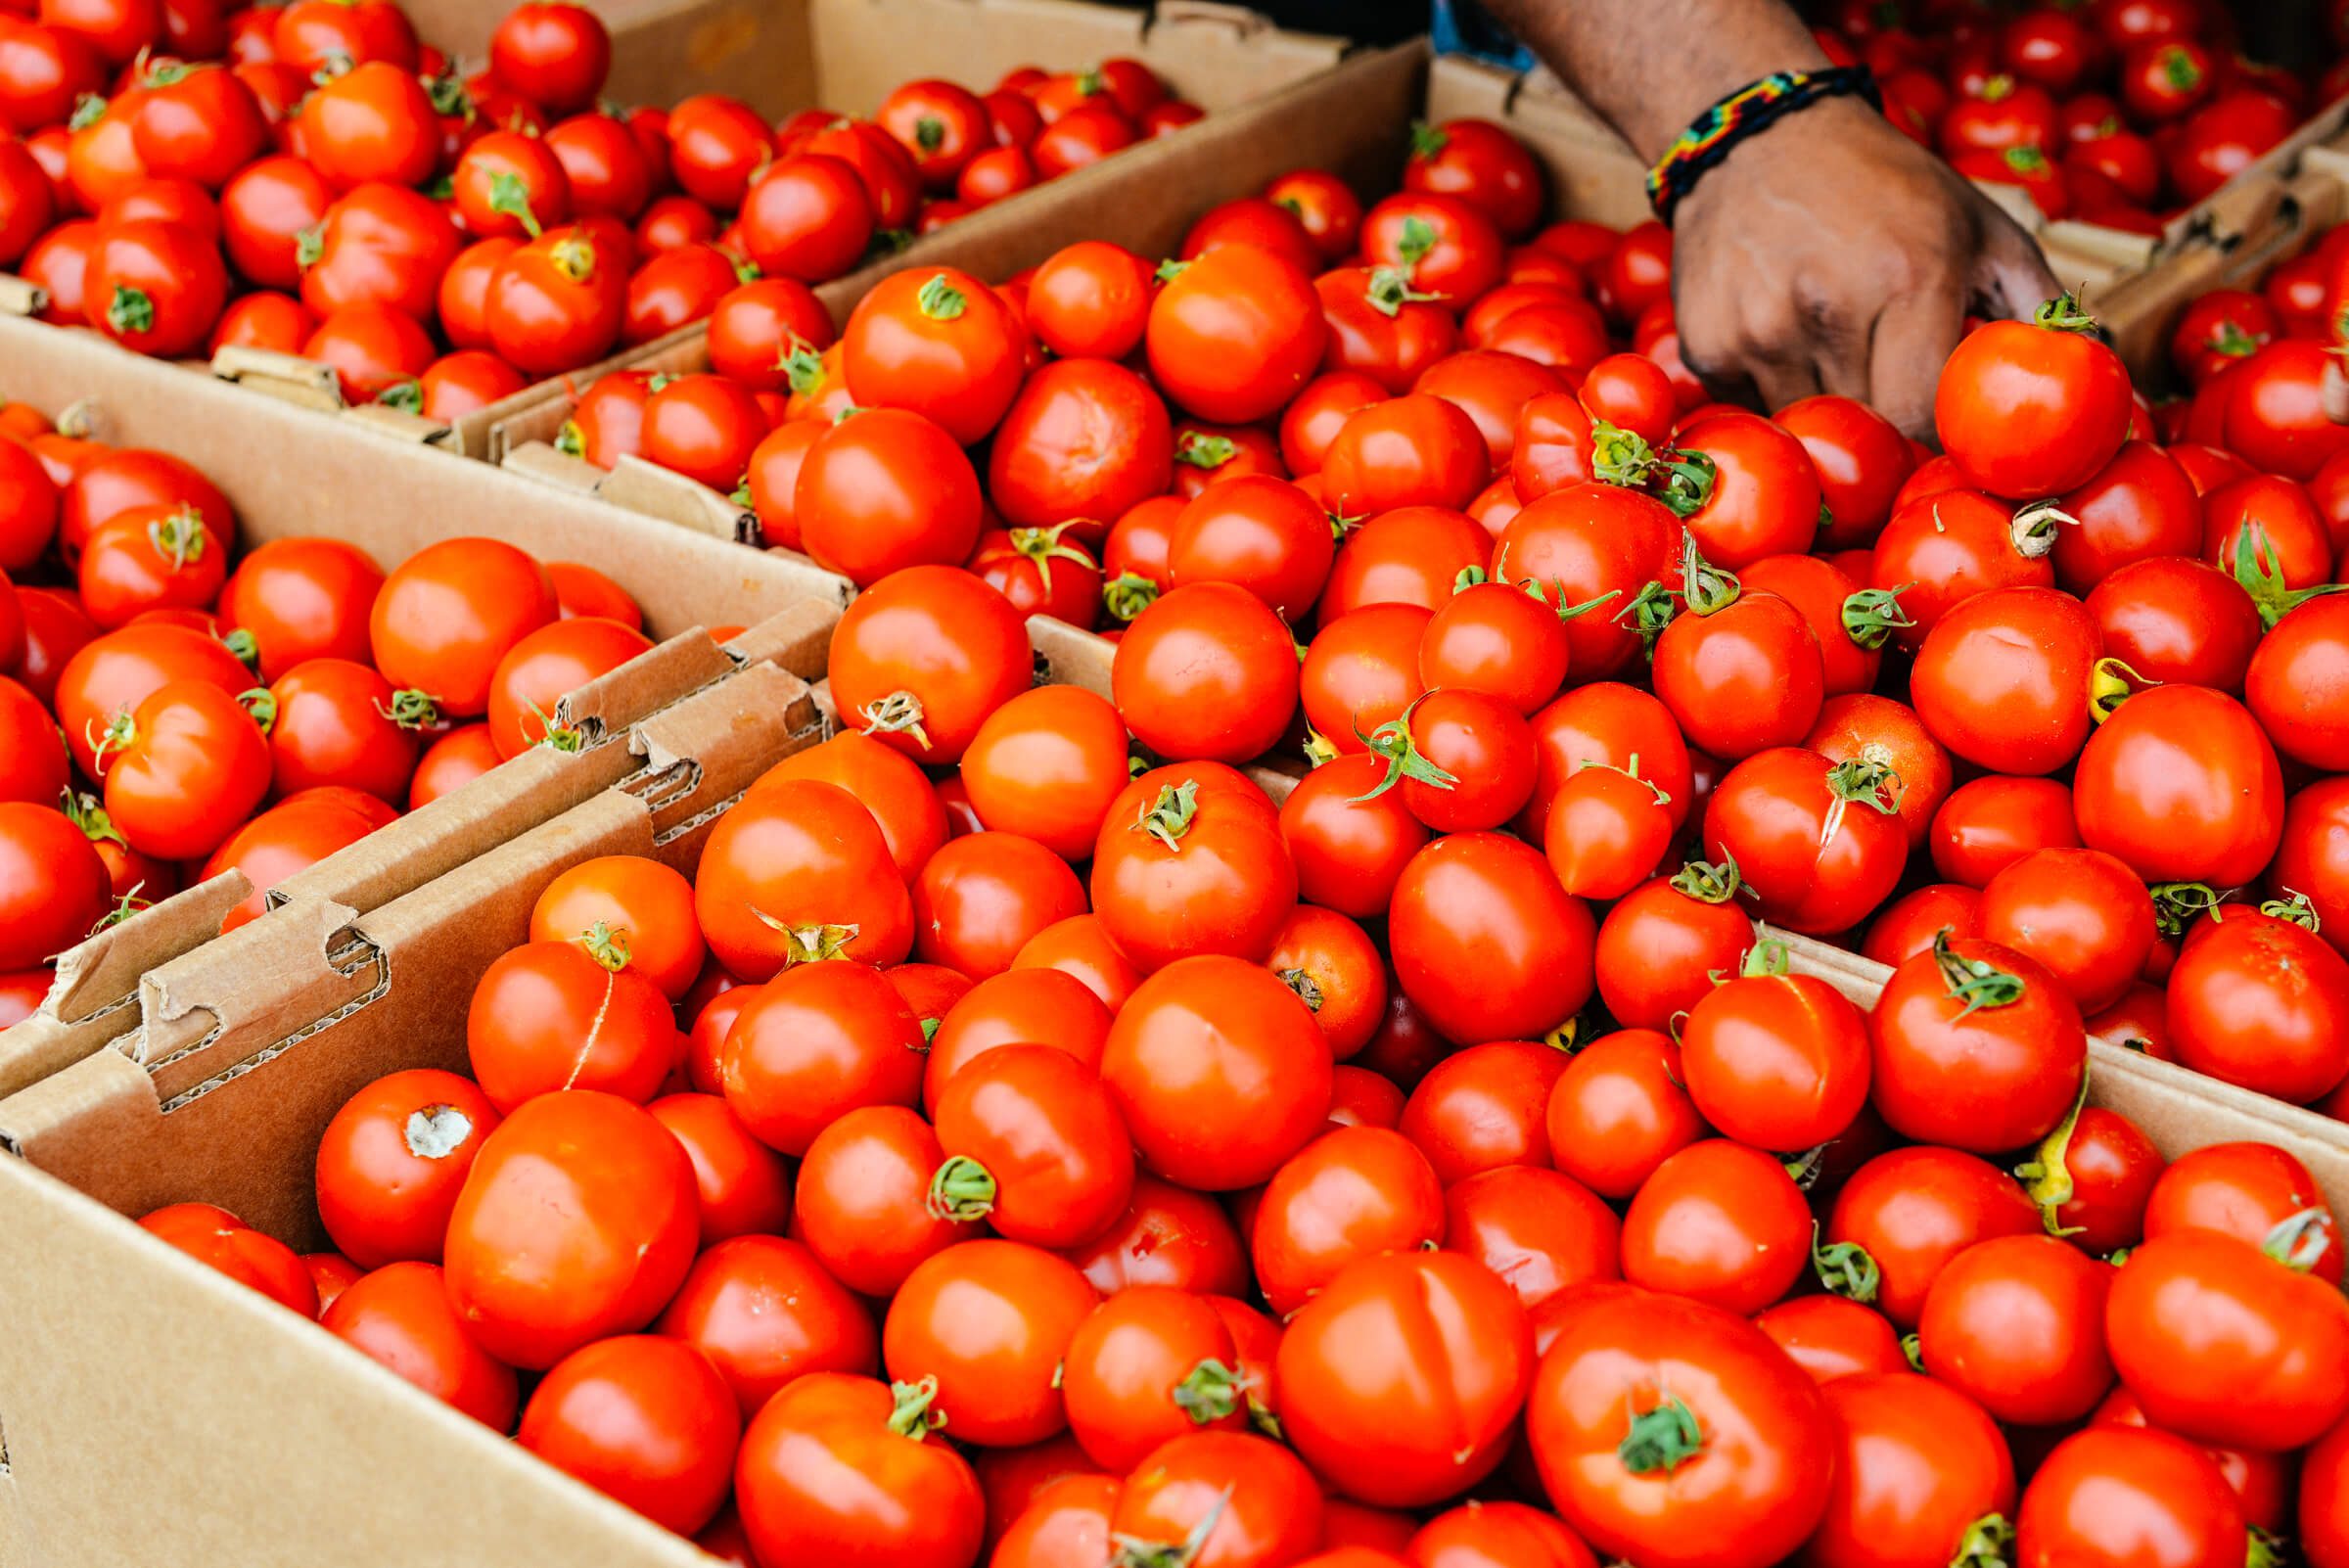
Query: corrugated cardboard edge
<point x="2178" y="1109"/>
<point x="164" y="1114"/>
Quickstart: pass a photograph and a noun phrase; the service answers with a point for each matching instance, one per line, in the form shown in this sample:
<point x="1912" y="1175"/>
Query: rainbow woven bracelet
<point x="1739" y="116"/>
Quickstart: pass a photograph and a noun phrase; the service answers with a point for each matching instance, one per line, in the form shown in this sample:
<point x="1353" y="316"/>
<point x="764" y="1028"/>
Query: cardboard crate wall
<point x="224" y="1428"/>
<point x="287" y="475"/>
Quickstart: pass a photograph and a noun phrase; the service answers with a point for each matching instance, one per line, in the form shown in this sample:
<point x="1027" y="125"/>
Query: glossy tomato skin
<point x="1352" y="1193"/>
<point x="1220" y="1071"/>
<point x="2003" y="679"/>
<point x="1659" y="946"/>
<point x="56" y="884"/>
<point x="2080" y="913"/>
<point x="1917" y="1464"/>
<point x="1988" y="1078"/>
<point x="2171" y="619"/>
<point x="1274" y="1514"/>
<point x="819" y="1039"/>
<point x="2262" y="1004"/>
<point x="447" y="614"/>
<point x="1618" y="1110"/>
<point x="2208" y="809"/>
<point x="2112" y="1491"/>
<point x="1913" y="1210"/>
<point x="924" y="656"/>
<point x="1776" y="1061"/>
<point x="1349" y="852"/>
<point x="578" y="1220"/>
<point x="2291" y="687"/>
<point x="1717" y="1223"/>
<point x="1357" y="1362"/>
<point x="787" y="1478"/>
<point x="764" y="1312"/>
<point x="1497" y="898"/>
<point x="991" y="1322"/>
<point x="1236" y="334"/>
<point x="2323" y="1514"/>
<point x="220" y="1240"/>
<point x="2017" y="1322"/>
<point x="1817" y="862"/>
<point x="400" y="1314"/>
<point x="393" y="1161"/>
<point x="1746" y="1498"/>
<point x="2030" y="410"/>
<point x="1189" y="861"/>
<point x="1832" y="1337"/>
<point x="860" y="1200"/>
<point x="1206" y="672"/>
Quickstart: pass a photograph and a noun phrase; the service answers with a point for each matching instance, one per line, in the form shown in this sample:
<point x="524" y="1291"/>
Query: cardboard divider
<point x="244" y="1049"/>
<point x="2178" y="1109"/>
<point x="2262" y="218"/>
<point x="285" y="474"/>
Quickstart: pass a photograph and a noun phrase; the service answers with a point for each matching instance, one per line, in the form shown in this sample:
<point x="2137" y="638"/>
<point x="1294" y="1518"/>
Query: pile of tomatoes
<point x="2119" y="111"/>
<point x="1037" y="1133"/>
<point x="310" y="180"/>
<point x="171" y="708"/>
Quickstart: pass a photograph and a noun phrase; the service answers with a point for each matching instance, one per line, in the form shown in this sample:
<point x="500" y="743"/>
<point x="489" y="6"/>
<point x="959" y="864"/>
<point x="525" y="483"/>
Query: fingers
<point x="2011" y="276"/>
<point x="1913" y="334"/>
<point x="1782" y="381"/>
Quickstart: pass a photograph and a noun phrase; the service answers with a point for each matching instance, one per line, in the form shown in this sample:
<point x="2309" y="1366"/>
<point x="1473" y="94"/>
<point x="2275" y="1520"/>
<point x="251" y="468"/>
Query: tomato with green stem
<point x="337" y="721"/>
<point x="147" y="558"/>
<point x="1741" y="671"/>
<point x="1188" y="861"/>
<point x="2181" y="784"/>
<point x="796" y="872"/>
<point x="1976" y="1048"/>
<point x="2247" y="1190"/>
<point x="1033" y="1144"/>
<point x="1235" y="333"/>
<point x="446" y="618"/>
<point x="557" y="304"/>
<point x="990" y="1322"/>
<point x="1775" y="1060"/>
<point x="1618" y="1110"/>
<point x="1243" y="1499"/>
<point x="2260" y="1003"/>
<point x="939" y="343"/>
<point x="156" y="286"/>
<point x="826" y="1424"/>
<point x="1607" y="831"/>
<point x="56" y="886"/>
<point x="1669" y="1431"/>
<point x="860" y="1203"/>
<point x="1149" y="1364"/>
<point x="1817" y="842"/>
<point x="923" y="657"/>
<point x="1350" y="847"/>
<point x="182" y="769"/>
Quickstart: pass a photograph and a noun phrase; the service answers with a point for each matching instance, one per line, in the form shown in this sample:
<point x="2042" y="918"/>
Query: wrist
<point x="1761" y="111"/>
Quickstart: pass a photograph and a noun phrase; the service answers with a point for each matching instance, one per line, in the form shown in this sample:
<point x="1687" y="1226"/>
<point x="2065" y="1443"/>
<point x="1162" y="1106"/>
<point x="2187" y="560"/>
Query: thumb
<point x="2011" y="277"/>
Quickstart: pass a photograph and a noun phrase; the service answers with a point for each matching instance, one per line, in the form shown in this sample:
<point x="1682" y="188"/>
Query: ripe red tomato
<point x="1817" y="842"/>
<point x="1669" y="1432"/>
<point x="1220" y="1071"/>
<point x="1205" y="673"/>
<point x="558" y="301"/>
<point x="555" y="55"/>
<point x="576" y="1223"/>
<point x="155" y="285"/>
<point x="1405" y="1375"/>
<point x="2260" y="1003"/>
<point x="371" y="122"/>
<point x="2222" y="1344"/>
<point x="251" y="1257"/>
<point x="820" y="1039"/>
<point x="400" y="1314"/>
<point x="1494" y="898"/>
<point x="2017" y="1324"/>
<point x="924" y="656"/>
<point x="2181" y="784"/>
<point x="2105" y="1491"/>
<point x="1354" y="1193"/>
<point x="2033" y="408"/>
<point x="941" y="344"/>
<point x="1913" y="1210"/>
<point x="1618" y="1110"/>
<point x="1776" y="1061"/>
<point x="1976" y="1048"/>
<point x="827" y="1424"/>
<point x="1717" y="1223"/>
<point x="991" y="1322"/>
<point x="642" y="1418"/>
<point x="1919" y="1467"/>
<point x="861" y="1200"/>
<point x="765" y="1313"/>
<point x="182" y="769"/>
<point x="569" y="1014"/>
<point x="1235" y="334"/>
<point x="447" y="616"/>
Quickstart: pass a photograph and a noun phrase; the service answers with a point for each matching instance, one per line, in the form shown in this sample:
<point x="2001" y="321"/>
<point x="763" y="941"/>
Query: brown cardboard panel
<point x="156" y="1414"/>
<point x="1068" y="655"/>
<point x="90" y="1001"/>
<point x="287" y="473"/>
<point x="2178" y="1109"/>
<point x="249" y="1045"/>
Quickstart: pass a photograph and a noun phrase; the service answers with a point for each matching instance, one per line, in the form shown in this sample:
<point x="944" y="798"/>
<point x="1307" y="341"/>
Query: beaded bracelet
<point x="1739" y="116"/>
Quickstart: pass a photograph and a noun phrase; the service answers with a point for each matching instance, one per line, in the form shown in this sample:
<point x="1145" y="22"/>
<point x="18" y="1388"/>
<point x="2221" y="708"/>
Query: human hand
<point x="1832" y="254"/>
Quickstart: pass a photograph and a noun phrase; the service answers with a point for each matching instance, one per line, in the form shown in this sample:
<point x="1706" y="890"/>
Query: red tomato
<point x="2104" y="1492"/>
<point x="827" y="1424"/>
<point x="1205" y="673"/>
<point x="2033" y="408"/>
<point x="1235" y="334"/>
<point x="1920" y="1468"/>
<point x="220" y="1241"/>
<point x="924" y="656"/>
<point x="1498" y="898"/>
<point x="2017" y="1324"/>
<point x="569" y="1014"/>
<point x="990" y="1322"/>
<point x="1405" y="1377"/>
<point x="1816" y="841"/>
<point x="400" y="1314"/>
<point x="1219" y="1072"/>
<point x="765" y="1313"/>
<point x="555" y="55"/>
<point x="1913" y="1210"/>
<point x="549" y="1248"/>
<point x="1668" y="1431"/>
<point x="448" y="614"/>
<point x="818" y="1040"/>
<point x="1976" y="1048"/>
<point x="2182" y="785"/>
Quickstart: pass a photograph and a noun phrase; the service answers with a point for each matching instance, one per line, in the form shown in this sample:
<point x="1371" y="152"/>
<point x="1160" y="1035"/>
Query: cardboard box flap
<point x="248" y="1386"/>
<point x="92" y="1000"/>
<point x="716" y="732"/>
<point x="539" y="460"/>
<point x="109" y="964"/>
<point x="289" y="473"/>
<point x="797" y="638"/>
<point x="1238" y="50"/>
<point x="1068" y="656"/>
<point x="655" y="491"/>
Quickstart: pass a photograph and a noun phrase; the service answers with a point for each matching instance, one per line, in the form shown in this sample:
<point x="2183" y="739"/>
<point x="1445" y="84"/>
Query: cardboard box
<point x="151" y="1411"/>
<point x="2269" y="215"/>
<point x="287" y="475"/>
<point x="782" y="56"/>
